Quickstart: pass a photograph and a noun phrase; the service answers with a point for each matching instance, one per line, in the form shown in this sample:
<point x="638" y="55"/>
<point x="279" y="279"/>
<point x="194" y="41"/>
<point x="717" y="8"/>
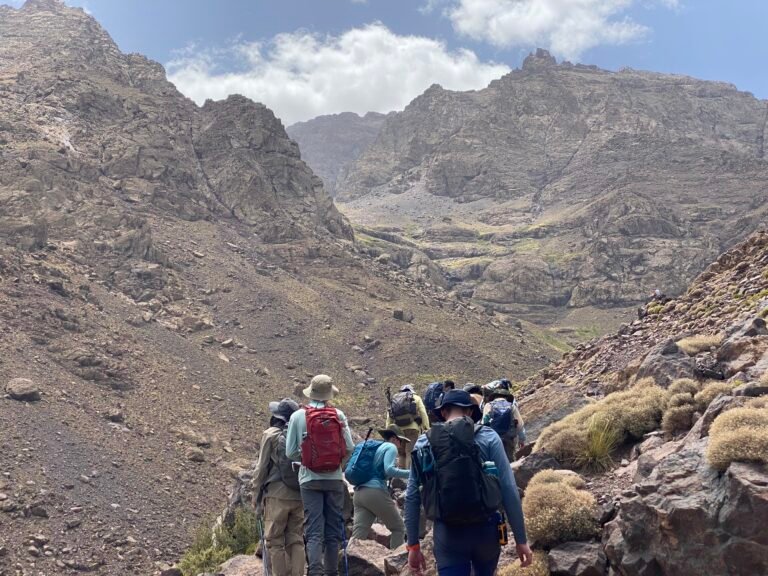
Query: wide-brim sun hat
<point x="321" y="388"/>
<point x="457" y="398"/>
<point x="283" y="409"/>
<point x="393" y="430"/>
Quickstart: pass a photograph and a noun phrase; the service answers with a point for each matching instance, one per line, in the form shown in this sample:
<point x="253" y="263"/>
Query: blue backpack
<point x="360" y="468"/>
<point x="433" y="395"/>
<point x="500" y="416"/>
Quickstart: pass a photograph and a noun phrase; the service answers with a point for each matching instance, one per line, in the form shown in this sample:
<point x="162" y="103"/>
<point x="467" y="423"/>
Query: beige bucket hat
<point x="321" y="388"/>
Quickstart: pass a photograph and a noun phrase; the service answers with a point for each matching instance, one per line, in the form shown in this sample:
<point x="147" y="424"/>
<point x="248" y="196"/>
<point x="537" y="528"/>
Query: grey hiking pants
<point x="323" y="525"/>
<point x="372" y="503"/>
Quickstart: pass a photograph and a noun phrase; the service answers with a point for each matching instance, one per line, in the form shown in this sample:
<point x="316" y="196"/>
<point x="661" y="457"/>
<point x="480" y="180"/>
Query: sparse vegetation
<point x="539" y="567"/>
<point x="700" y="343"/>
<point x="211" y="547"/>
<point x="602" y="439"/>
<point x="655" y="309"/>
<point x="678" y="418"/>
<point x="558" y="477"/>
<point x="709" y="392"/>
<point x="683" y="385"/>
<point x="739" y="435"/>
<point x="557" y="512"/>
<point x="575" y="440"/>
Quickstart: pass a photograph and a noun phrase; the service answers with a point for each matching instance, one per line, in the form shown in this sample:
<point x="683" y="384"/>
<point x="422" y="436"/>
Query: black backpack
<point x="403" y="409"/>
<point x="287" y="472"/>
<point x="456" y="490"/>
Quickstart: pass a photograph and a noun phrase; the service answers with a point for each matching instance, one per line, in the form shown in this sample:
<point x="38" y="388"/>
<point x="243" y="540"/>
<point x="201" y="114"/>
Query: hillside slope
<point x="165" y="271"/>
<point x="564" y="185"/>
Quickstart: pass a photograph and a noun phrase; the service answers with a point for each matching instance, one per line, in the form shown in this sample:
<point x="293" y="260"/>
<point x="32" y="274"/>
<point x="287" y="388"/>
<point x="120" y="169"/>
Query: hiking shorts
<point x="460" y="549"/>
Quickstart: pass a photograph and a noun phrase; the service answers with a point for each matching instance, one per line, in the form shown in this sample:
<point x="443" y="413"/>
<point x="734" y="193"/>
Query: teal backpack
<point x="360" y="468"/>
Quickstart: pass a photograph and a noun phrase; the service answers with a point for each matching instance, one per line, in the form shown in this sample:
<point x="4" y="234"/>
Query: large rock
<point x="23" y="389"/>
<point x="688" y="519"/>
<point x="366" y="558"/>
<point x="242" y="566"/>
<point x="666" y="363"/>
<point x="578" y="559"/>
<point x="528" y="467"/>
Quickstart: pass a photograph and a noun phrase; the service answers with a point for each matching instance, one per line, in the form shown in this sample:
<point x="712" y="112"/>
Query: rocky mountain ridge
<point x="562" y="186"/>
<point x="165" y="271"/>
<point x="329" y="144"/>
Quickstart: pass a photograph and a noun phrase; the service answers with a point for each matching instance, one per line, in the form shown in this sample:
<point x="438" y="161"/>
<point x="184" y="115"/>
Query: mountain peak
<point x="539" y="60"/>
<point x="44" y="5"/>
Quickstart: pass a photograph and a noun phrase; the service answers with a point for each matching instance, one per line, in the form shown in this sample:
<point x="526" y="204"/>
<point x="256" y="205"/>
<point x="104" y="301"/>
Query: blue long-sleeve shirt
<point x="384" y="462"/>
<point x="491" y="448"/>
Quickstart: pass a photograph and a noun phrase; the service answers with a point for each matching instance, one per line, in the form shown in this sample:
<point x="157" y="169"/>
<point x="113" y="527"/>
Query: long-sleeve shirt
<point x="491" y="448"/>
<point x="297" y="431"/>
<point x="267" y="475"/>
<point x="385" y="465"/>
<point x="422" y="414"/>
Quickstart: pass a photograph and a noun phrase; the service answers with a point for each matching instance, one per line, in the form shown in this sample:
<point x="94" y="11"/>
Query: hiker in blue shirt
<point x="372" y="499"/>
<point x="461" y="544"/>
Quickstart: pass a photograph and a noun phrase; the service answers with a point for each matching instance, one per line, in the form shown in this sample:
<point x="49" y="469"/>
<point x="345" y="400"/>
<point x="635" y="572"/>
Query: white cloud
<point x="566" y="27"/>
<point x="302" y="75"/>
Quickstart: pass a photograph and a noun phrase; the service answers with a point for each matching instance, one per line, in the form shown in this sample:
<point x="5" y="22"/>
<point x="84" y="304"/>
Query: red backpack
<point x="324" y="447"/>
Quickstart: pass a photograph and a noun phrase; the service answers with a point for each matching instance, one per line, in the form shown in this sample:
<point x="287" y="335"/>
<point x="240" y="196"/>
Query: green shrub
<point x="212" y="547"/>
<point x="539" y="567"/>
<point x="709" y="392"/>
<point x="683" y="385"/>
<point x="654" y="309"/>
<point x="701" y="343"/>
<point x="739" y="435"/>
<point x="557" y="513"/>
<point x="558" y="477"/>
<point x="603" y="437"/>
<point x="207" y="560"/>
<point x="678" y="419"/>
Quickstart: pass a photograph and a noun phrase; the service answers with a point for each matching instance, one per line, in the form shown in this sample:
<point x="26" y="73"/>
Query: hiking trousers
<point x="461" y="549"/>
<point x="404" y="452"/>
<point x="323" y="524"/>
<point x="283" y="520"/>
<point x="372" y="503"/>
<point x="510" y="445"/>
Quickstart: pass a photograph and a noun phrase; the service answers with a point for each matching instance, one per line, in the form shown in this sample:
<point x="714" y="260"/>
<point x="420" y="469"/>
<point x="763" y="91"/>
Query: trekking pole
<point x="344" y="546"/>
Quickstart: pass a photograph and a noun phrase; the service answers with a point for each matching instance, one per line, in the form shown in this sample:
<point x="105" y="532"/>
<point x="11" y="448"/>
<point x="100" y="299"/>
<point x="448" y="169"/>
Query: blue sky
<point x="306" y="57"/>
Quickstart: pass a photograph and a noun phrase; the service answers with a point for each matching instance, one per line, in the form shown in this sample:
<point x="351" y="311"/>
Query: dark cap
<point x="459" y="398"/>
<point x="283" y="409"/>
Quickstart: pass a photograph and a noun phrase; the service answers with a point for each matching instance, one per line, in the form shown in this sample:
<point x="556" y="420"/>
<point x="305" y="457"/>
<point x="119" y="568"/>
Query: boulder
<point x="23" y="390"/>
<point x="242" y="566"/>
<point x="396" y="564"/>
<point x="666" y="363"/>
<point x="577" y="559"/>
<point x="403" y="315"/>
<point x="686" y="518"/>
<point x="751" y="389"/>
<point x="650" y="443"/>
<point x="528" y="467"/>
<point x="366" y="558"/>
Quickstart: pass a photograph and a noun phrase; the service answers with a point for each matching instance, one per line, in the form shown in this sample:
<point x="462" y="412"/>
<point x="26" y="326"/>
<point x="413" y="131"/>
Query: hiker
<point x="476" y="392"/>
<point x="319" y="437"/>
<point x="372" y="499"/>
<point x="501" y="412"/>
<point x="434" y="394"/>
<point x="276" y="491"/>
<point x="406" y="409"/>
<point x="467" y="462"/>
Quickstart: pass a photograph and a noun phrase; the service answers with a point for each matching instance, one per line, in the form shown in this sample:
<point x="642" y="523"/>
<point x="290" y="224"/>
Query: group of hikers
<point x="451" y="449"/>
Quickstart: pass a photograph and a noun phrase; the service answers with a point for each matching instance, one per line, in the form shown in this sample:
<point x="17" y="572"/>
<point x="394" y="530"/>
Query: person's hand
<point x="525" y="554"/>
<point x="417" y="562"/>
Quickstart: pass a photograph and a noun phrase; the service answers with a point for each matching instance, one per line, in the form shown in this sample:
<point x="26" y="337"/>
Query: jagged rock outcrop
<point x="329" y="144"/>
<point x="567" y="185"/>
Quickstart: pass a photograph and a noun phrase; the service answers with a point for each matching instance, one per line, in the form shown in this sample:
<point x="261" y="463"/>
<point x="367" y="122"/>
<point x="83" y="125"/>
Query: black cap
<point x="458" y="398"/>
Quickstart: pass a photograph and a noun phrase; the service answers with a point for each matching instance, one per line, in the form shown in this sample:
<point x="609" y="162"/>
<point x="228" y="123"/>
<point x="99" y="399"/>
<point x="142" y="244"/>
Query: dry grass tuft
<point x="646" y="382"/>
<point x="603" y="437"/>
<point x="579" y="438"/>
<point x="709" y="392"/>
<point x="678" y="419"/>
<point x="739" y="435"/>
<point x="764" y="377"/>
<point x="684" y="385"/>
<point x="558" y="477"/>
<point x="557" y="513"/>
<point x="701" y="343"/>
<point x="539" y="567"/>
<point x="680" y="399"/>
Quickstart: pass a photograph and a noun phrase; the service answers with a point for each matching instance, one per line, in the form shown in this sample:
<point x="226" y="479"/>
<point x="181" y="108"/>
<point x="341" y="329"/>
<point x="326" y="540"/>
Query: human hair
<point x="449" y="411"/>
<point x="276" y="422"/>
<point x="449" y="384"/>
